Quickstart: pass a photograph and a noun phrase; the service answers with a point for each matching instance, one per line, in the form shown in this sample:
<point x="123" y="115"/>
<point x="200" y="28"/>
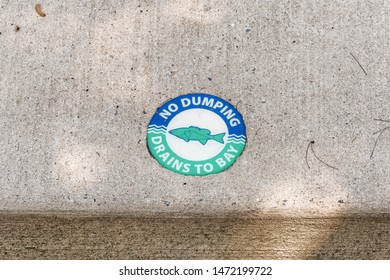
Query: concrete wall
<point x="79" y="86"/>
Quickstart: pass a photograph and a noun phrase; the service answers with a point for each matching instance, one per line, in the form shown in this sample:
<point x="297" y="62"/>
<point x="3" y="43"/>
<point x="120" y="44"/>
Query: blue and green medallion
<point x="196" y="134"/>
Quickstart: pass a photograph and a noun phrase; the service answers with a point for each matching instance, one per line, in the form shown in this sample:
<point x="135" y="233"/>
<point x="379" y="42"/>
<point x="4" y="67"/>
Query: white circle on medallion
<point x="195" y="150"/>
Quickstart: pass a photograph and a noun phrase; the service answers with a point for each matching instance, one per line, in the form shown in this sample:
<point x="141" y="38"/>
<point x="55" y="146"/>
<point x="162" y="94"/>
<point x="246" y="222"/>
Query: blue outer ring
<point x="158" y="120"/>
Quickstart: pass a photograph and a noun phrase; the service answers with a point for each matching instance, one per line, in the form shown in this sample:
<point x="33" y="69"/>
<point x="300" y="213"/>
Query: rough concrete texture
<point x="44" y="237"/>
<point x="79" y="86"/>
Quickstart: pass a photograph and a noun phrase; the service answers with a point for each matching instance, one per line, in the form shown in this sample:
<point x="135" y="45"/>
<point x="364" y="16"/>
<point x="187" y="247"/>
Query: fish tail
<point x="219" y="137"/>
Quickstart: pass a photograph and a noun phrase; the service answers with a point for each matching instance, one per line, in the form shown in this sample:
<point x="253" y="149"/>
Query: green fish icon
<point x="194" y="133"/>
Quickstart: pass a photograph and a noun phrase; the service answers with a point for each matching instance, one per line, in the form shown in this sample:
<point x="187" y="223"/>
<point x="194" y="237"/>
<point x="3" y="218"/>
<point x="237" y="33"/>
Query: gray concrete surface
<point x="79" y="86"/>
<point x="66" y="237"/>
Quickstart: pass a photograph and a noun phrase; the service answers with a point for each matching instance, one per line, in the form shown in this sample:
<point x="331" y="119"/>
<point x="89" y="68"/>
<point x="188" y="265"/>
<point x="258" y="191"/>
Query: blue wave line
<point x="236" y="142"/>
<point x="233" y="136"/>
<point x="157" y="126"/>
<point x="237" y="135"/>
<point x="156" y="130"/>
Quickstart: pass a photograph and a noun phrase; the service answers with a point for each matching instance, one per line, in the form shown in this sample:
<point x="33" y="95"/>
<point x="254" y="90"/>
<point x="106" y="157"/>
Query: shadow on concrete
<point x="357" y="238"/>
<point x="66" y="237"/>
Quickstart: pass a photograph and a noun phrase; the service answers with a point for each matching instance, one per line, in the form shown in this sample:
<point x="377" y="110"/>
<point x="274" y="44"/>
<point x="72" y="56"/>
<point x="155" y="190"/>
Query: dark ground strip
<point x="44" y="237"/>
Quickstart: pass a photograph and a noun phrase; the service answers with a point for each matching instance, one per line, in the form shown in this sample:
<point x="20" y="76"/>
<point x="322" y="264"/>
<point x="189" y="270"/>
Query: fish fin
<point x="219" y="138"/>
<point x="186" y="136"/>
<point x="203" y="141"/>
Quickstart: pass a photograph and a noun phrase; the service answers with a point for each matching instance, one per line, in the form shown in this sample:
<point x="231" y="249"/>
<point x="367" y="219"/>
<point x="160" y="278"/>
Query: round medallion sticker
<point x="196" y="134"/>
